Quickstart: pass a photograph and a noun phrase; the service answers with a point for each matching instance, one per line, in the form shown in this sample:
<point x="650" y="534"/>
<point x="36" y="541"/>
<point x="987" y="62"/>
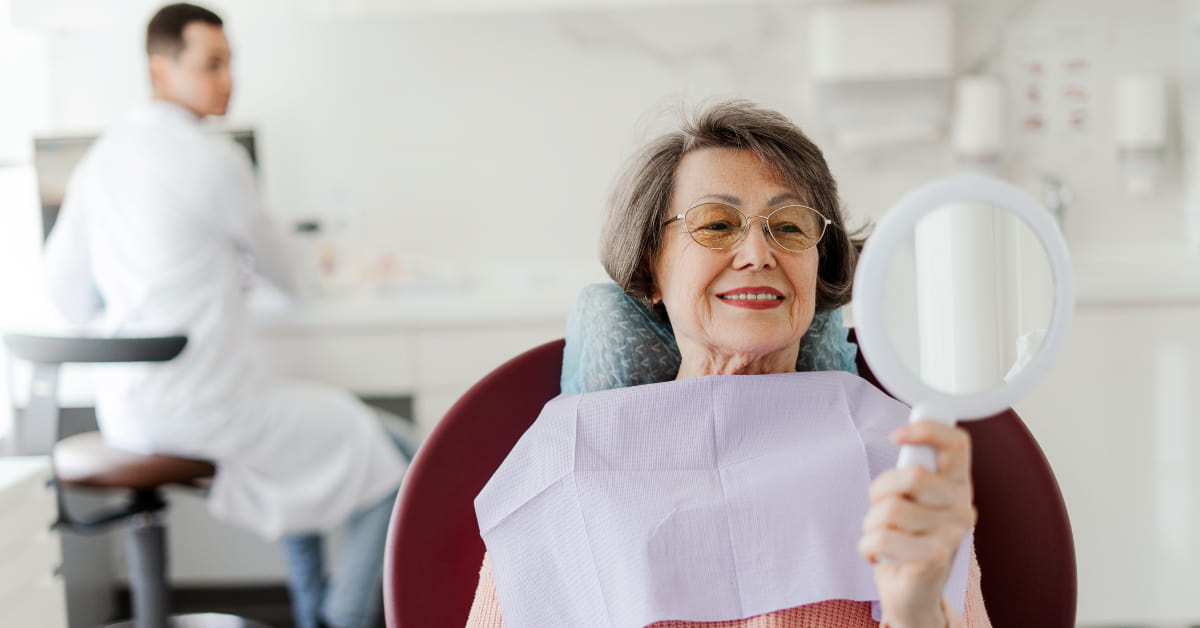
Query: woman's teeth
<point x="751" y="297"/>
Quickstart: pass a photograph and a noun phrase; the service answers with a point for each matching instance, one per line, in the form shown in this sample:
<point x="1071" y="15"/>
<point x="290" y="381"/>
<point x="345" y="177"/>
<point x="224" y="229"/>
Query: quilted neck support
<point x="614" y="341"/>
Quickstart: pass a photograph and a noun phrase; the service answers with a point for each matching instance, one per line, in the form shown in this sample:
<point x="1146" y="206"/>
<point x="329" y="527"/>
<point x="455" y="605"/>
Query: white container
<point x="1141" y="114"/>
<point x="1141" y="130"/>
<point x="979" y="118"/>
<point x="894" y="40"/>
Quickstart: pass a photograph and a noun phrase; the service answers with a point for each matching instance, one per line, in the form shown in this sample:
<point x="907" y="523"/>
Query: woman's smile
<point x="752" y="298"/>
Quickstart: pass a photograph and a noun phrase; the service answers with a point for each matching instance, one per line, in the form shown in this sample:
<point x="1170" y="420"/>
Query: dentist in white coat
<point x="156" y="225"/>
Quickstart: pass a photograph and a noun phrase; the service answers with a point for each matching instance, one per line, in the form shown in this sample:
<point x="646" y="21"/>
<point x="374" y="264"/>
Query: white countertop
<point x="418" y="310"/>
<point x="499" y="298"/>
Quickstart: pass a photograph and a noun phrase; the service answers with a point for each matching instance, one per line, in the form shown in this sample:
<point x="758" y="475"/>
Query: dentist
<point x="157" y="225"/>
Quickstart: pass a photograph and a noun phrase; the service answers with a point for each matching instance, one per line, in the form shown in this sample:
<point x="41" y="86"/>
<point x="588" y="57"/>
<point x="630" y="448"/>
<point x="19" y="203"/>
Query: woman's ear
<point x="655" y="292"/>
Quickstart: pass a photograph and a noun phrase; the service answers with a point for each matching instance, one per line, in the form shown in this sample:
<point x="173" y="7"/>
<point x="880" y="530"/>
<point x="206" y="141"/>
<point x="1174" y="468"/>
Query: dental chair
<point x="1023" y="538"/>
<point x="84" y="462"/>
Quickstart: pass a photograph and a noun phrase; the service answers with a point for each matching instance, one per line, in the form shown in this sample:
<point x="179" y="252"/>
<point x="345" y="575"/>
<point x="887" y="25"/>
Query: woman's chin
<point x="770" y="333"/>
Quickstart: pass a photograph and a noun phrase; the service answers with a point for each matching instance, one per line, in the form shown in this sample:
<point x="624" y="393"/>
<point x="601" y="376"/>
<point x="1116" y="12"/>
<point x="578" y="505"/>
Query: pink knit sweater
<point x="485" y="611"/>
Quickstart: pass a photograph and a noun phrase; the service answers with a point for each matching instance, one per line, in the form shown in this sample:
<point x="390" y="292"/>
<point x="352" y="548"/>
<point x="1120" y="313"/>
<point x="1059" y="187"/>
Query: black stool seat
<point x="85" y="460"/>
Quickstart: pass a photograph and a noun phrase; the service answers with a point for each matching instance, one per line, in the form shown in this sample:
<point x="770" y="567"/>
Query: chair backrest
<point x="1023" y="539"/>
<point x="37" y="429"/>
<point x="434" y="549"/>
<point x="62" y="349"/>
<point x="84" y="460"/>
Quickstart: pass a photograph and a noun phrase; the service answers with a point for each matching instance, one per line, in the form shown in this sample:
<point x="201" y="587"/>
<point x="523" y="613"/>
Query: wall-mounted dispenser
<point x="883" y="70"/>
<point x="1141" y="130"/>
<point x="980" y="122"/>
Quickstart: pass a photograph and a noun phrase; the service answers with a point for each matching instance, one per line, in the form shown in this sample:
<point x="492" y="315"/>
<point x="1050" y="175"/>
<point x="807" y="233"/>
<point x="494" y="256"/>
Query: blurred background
<point x="442" y="167"/>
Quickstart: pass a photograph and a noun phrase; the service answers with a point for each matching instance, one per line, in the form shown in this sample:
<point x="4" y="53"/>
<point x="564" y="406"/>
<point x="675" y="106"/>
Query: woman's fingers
<point x="953" y="445"/>
<point x="904" y="515"/>
<point x="918" y="519"/>
<point x="932" y="551"/>
<point x="921" y="486"/>
<point x="915" y="503"/>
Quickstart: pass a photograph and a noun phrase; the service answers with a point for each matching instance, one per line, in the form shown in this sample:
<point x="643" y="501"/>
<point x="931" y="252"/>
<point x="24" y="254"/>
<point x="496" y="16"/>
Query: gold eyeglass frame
<point x="746" y="228"/>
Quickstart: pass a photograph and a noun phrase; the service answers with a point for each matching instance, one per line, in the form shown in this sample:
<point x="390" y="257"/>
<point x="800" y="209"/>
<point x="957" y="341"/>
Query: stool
<point x="85" y="461"/>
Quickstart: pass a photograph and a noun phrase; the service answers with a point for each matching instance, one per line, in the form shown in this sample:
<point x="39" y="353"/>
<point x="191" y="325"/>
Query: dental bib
<point x="706" y="499"/>
<point x="614" y="341"/>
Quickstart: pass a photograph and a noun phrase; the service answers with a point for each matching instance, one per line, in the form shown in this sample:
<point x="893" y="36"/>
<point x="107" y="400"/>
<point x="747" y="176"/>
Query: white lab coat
<point x="160" y="216"/>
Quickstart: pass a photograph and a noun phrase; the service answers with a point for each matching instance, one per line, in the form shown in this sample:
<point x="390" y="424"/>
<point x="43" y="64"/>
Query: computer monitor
<point x="54" y="159"/>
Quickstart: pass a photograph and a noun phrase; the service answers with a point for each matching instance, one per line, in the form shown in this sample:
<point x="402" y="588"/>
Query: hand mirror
<point x="962" y="299"/>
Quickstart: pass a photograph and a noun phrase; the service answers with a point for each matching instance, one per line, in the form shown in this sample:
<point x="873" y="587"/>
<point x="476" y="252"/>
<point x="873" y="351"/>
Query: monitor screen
<point x="54" y="159"/>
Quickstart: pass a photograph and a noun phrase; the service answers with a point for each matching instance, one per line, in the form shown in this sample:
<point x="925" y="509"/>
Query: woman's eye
<point x="717" y="226"/>
<point x="788" y="228"/>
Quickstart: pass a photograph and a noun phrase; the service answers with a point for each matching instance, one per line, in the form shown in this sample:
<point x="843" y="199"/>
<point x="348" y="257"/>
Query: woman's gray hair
<point x="632" y="235"/>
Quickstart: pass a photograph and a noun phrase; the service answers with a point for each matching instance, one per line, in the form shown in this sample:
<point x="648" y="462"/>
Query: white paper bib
<point x="706" y="499"/>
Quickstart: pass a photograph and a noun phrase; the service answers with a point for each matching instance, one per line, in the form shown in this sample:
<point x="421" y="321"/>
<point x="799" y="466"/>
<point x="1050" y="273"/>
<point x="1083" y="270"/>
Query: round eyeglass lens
<point x="796" y="227"/>
<point x="714" y="225"/>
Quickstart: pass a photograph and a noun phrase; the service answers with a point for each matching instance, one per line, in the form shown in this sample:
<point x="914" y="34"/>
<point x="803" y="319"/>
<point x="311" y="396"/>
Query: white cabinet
<point x="31" y="590"/>
<point x="368" y="362"/>
<point x="431" y="352"/>
<point x="434" y="364"/>
<point x="1118" y="420"/>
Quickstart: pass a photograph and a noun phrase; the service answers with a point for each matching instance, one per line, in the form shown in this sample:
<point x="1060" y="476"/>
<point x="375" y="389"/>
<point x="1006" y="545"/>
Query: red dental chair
<point x="1023" y="538"/>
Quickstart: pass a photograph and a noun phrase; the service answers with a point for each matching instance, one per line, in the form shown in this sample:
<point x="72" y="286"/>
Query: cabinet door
<point x="452" y="360"/>
<point x="366" y="362"/>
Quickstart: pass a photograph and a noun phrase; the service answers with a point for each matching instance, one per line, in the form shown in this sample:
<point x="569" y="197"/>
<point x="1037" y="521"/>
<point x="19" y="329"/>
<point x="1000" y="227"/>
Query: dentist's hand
<point x="917" y="520"/>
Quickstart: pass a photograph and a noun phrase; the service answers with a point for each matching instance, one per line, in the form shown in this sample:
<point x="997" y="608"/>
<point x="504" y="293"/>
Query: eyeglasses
<point x="719" y="226"/>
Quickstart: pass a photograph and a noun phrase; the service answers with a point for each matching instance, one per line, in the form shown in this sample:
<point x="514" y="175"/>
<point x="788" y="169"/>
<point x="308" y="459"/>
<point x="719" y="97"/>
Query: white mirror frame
<point x="870" y="293"/>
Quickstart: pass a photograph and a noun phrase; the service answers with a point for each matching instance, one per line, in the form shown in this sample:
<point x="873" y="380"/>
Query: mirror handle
<point x="921" y="455"/>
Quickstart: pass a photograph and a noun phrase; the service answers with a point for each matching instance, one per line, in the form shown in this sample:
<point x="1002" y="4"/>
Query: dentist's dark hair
<point x="164" y="34"/>
<point x="632" y="236"/>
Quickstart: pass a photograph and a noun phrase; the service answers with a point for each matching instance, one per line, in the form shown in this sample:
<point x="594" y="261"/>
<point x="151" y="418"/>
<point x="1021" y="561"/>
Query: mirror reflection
<point x="969" y="300"/>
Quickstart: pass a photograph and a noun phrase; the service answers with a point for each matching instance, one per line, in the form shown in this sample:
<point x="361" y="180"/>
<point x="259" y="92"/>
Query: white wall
<point x="502" y="130"/>
<point x="394" y="122"/>
<point x="24" y="74"/>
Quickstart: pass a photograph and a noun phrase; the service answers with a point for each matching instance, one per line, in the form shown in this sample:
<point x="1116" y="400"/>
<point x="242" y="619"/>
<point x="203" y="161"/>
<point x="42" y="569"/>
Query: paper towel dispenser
<point x="883" y="71"/>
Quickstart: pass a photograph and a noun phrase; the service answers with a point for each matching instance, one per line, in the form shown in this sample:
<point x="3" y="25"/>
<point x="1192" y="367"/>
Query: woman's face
<point x="697" y="285"/>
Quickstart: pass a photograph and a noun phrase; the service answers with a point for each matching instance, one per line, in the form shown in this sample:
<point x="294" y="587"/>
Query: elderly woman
<point x="730" y="229"/>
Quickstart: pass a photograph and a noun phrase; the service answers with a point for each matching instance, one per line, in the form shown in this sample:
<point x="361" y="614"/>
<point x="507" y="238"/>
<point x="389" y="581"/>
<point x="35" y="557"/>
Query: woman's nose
<point x="754" y="251"/>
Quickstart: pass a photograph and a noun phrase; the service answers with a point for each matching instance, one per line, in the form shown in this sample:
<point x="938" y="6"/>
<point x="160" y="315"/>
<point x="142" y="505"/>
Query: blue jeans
<point x="353" y="596"/>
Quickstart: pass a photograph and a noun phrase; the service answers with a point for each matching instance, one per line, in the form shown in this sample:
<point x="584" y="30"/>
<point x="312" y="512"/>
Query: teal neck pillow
<point x="614" y="341"/>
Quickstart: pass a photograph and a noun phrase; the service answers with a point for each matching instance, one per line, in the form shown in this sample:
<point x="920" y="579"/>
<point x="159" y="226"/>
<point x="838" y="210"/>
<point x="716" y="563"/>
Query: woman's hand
<point x="917" y="520"/>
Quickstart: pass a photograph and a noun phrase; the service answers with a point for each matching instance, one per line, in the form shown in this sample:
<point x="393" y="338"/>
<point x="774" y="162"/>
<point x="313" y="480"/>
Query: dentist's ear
<point x="157" y="68"/>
